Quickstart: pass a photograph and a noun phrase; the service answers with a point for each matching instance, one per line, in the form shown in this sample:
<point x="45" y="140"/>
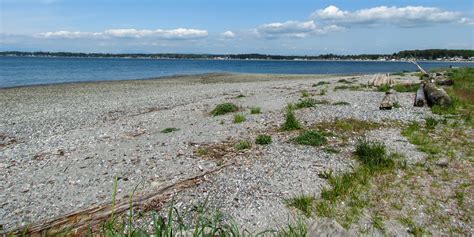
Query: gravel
<point x="62" y="146"/>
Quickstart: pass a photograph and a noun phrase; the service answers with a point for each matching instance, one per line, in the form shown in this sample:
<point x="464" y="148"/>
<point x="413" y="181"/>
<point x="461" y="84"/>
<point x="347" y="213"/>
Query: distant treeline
<point x="428" y="54"/>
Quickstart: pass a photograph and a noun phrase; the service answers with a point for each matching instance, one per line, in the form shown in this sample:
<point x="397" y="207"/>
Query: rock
<point x="442" y="162"/>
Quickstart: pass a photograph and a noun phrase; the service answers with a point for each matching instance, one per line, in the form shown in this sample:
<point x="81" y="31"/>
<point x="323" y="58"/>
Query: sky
<point x="289" y="27"/>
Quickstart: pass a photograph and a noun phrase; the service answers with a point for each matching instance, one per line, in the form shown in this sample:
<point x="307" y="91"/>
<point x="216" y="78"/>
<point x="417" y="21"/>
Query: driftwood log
<point x="420" y="98"/>
<point x="78" y="223"/>
<point x="389" y="100"/>
<point x="436" y="96"/>
<point x="445" y="82"/>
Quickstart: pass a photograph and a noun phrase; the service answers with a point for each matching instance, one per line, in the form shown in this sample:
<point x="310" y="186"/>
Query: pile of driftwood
<point x="381" y="79"/>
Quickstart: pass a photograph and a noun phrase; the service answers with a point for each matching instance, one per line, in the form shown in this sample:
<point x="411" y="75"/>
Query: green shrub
<point x="169" y="130"/>
<point x="291" y="122"/>
<point x="255" y="110"/>
<point x="311" y="138"/>
<point x="242" y="145"/>
<point x="224" y="109"/>
<point x="263" y="139"/>
<point x="239" y="118"/>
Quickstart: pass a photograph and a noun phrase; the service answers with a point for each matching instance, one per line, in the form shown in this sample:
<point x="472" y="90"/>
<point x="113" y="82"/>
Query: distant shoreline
<point x="237" y="59"/>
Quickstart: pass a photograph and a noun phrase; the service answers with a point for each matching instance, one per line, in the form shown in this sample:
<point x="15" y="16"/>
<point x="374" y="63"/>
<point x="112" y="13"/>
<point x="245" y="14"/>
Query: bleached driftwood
<point x="77" y="223"/>
<point x="436" y="96"/>
<point x="420" y="98"/>
<point x="389" y="100"/>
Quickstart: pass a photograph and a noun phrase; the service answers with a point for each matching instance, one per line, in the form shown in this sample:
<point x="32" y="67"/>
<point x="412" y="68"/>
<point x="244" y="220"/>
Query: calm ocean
<point x="22" y="71"/>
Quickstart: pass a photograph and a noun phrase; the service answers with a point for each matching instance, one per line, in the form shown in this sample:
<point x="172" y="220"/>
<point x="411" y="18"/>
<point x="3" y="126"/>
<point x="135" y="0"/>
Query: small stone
<point x="442" y="162"/>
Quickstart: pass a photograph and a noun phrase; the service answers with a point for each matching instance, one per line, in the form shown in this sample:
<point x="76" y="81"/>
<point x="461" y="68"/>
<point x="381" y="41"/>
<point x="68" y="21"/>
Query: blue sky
<point x="302" y="27"/>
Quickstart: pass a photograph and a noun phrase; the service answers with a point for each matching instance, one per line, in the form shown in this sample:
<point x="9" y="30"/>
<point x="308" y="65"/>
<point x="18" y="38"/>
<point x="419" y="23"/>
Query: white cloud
<point x="296" y="29"/>
<point x="179" y="33"/>
<point x="467" y="21"/>
<point x="409" y="16"/>
<point x="228" y="34"/>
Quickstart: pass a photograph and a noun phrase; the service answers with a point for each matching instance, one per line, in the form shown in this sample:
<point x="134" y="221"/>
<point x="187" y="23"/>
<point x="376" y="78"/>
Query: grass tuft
<point x="304" y="203"/>
<point x="169" y="130"/>
<point x="224" y="108"/>
<point x="310" y="138"/>
<point x="243" y="145"/>
<point x="255" y="110"/>
<point x="239" y="118"/>
<point x="431" y="123"/>
<point x="305" y="94"/>
<point x="263" y="139"/>
<point x="373" y="155"/>
<point x="309" y="102"/>
<point x="320" y="83"/>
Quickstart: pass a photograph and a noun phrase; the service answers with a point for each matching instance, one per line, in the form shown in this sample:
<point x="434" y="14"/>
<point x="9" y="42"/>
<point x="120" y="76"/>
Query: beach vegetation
<point x="169" y="130"/>
<point x="310" y="138"/>
<point x="321" y="83"/>
<point x="347" y="87"/>
<point x="303" y="203"/>
<point x="309" y="102"/>
<point x="345" y="81"/>
<point x="341" y="103"/>
<point x="239" y="118"/>
<point x="255" y="110"/>
<point x="291" y="122"/>
<point x="240" y="96"/>
<point x="263" y="139"/>
<point x="305" y="94"/>
<point x="323" y="91"/>
<point x="243" y="145"/>
<point x="224" y="108"/>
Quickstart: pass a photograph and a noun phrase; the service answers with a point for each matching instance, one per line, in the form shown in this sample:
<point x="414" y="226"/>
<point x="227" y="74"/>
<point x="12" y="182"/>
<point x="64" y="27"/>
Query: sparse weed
<point x="320" y="83"/>
<point x="341" y="103"/>
<point x="304" y="94"/>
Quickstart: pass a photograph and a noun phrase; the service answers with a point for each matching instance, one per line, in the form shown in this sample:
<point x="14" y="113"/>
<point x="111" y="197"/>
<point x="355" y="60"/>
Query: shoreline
<point x="250" y="59"/>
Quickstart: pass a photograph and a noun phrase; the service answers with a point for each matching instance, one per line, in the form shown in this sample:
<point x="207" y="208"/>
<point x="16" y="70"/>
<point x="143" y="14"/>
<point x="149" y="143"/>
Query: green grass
<point x="378" y="223"/>
<point x="291" y="122"/>
<point x="255" y="110"/>
<point x="169" y="130"/>
<point x="431" y="122"/>
<point x="323" y="91"/>
<point x="263" y="139"/>
<point x="243" y="145"/>
<point x="310" y="138"/>
<point x="341" y="103"/>
<point x="303" y="203"/>
<point x="413" y="228"/>
<point x="320" y="83"/>
<point x="309" y="102"/>
<point x="350" y="187"/>
<point x="384" y="88"/>
<point x="406" y="87"/>
<point x="305" y="94"/>
<point x="239" y="118"/>
<point x="224" y="108"/>
<point x="420" y="137"/>
<point x="240" y="96"/>
<point x="346" y="87"/>
<point x="345" y="81"/>
<point x="373" y="155"/>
